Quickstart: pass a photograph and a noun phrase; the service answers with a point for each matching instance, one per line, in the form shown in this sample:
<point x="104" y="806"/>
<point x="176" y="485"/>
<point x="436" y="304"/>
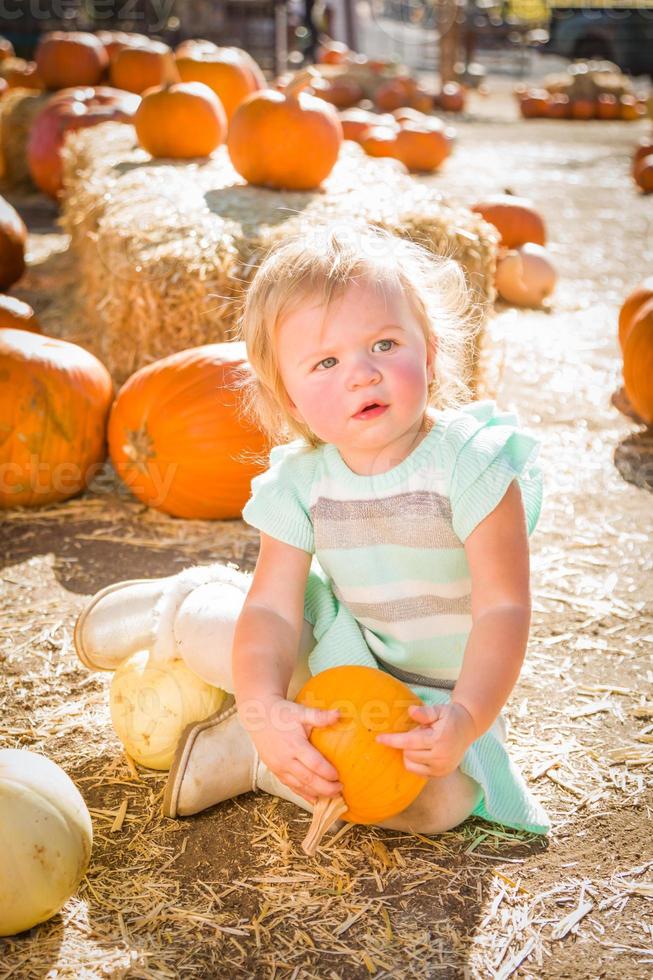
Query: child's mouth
<point x="371" y="411"/>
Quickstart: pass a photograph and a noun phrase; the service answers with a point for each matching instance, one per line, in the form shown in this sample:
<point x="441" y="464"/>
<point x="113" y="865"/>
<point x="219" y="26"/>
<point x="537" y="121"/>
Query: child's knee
<point x="442" y="805"/>
<point x="204" y="629"/>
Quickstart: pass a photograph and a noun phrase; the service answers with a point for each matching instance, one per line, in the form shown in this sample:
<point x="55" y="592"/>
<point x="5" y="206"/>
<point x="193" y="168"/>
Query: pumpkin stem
<point x="139" y="448"/>
<point x="301" y="81"/>
<point x="326" y="812"/>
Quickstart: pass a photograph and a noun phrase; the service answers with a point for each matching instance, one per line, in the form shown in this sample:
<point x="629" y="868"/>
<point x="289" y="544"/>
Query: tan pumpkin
<point x="638" y="363"/>
<point x="287" y="140"/>
<point x="230" y="72"/>
<point x="376" y="784"/>
<point x="17" y="315"/>
<point x="633" y="302"/>
<point x="177" y="438"/>
<point x="423" y="148"/>
<point x="525" y="276"/>
<point x="643" y="173"/>
<point x="515" y="217"/>
<point x="180" y="121"/>
<point x="54" y="402"/>
<point x="140" y="67"/>
<point x="64" y="59"/>
<point x="13" y="239"/>
<point x="71" y="109"/>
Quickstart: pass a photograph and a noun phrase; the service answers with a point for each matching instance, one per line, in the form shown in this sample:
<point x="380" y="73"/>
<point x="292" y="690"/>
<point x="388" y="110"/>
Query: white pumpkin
<point x="46" y="837"/>
<point x="526" y="276"/>
<point x="151" y="706"/>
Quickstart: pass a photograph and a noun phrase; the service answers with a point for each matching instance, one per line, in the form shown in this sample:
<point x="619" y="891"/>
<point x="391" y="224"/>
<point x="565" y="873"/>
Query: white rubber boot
<point x="140" y="614"/>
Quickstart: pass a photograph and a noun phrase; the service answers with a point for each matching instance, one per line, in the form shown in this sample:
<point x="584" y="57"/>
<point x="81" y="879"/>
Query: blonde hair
<point x="318" y="265"/>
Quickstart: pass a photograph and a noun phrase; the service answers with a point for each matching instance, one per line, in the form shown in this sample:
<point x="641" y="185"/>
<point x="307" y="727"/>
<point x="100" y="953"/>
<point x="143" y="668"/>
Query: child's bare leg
<point x="442" y="805"/>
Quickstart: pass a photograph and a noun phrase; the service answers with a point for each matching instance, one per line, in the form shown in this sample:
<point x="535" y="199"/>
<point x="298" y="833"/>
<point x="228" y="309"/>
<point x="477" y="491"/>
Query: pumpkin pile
<point x="525" y="274"/>
<point x="586" y="90"/>
<point x="636" y="342"/>
<point x="421" y="142"/>
<point x="376" y="784"/>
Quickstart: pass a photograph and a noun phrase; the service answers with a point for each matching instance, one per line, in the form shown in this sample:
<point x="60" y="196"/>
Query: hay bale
<point x="17" y="111"/>
<point x="166" y="248"/>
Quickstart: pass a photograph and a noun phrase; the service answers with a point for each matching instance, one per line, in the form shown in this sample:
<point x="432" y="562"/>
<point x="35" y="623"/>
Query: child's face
<point x="367" y="346"/>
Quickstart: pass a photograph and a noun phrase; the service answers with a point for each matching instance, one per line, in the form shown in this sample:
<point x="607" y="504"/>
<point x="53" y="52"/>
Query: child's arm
<point x="497" y="554"/>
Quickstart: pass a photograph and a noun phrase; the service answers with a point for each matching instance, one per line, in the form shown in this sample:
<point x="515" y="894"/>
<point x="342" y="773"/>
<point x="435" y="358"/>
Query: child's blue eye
<point x="393" y="342"/>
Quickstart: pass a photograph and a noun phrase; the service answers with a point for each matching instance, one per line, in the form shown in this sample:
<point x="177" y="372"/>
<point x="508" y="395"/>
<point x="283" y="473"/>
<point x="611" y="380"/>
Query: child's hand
<point x="436" y="747"/>
<point x="283" y="745"/>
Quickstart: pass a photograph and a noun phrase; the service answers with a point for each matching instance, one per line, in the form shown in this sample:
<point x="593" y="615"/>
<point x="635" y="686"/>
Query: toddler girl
<point x="393" y="535"/>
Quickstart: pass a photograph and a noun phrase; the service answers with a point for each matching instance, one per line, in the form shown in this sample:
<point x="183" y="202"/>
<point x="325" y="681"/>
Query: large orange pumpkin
<point x="136" y="68"/>
<point x="376" y="784"/>
<point x="54" y="401"/>
<point x="230" y="72"/>
<point x="287" y="139"/>
<point x="176" y="436"/>
<point x="13" y="238"/>
<point x="17" y="315"/>
<point x="64" y="59"/>
<point x="180" y="121"/>
<point x="71" y="109"/>
<point x="515" y="217"/>
<point x="638" y="363"/>
<point x="634" y="301"/>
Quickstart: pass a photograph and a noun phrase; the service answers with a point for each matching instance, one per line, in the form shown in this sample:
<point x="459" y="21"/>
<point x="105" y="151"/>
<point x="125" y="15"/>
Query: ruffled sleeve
<point x="484" y="451"/>
<point x="278" y="504"/>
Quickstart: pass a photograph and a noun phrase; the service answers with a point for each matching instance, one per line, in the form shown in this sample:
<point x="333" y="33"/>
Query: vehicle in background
<point x="620" y="31"/>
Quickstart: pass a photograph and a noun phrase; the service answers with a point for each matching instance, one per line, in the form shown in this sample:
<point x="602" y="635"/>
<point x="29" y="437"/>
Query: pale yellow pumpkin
<point x="46" y="838"/>
<point x="151" y="705"/>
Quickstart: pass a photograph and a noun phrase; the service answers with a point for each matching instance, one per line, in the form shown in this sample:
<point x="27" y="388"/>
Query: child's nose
<point x="363" y="371"/>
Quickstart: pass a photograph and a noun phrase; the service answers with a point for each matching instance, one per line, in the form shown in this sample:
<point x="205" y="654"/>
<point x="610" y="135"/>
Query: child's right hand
<point x="283" y="745"/>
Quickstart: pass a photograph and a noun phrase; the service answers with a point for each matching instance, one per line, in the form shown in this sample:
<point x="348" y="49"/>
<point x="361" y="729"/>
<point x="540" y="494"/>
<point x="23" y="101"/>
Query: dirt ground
<point x="229" y="893"/>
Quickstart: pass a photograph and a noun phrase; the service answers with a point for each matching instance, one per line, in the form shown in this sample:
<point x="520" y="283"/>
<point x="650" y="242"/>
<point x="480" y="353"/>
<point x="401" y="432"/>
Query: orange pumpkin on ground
<point x="394" y="93"/>
<point x="515" y="217"/>
<point x="333" y="53"/>
<point x="582" y="109"/>
<point x="633" y="302"/>
<point x="380" y="141"/>
<point x="376" y="784"/>
<point x="176" y="436"/>
<point x="286" y="140"/>
<point x="340" y="92"/>
<point x="71" y="109"/>
<point x="138" y="68"/>
<point x="643" y="173"/>
<point x="607" y="106"/>
<point x="13" y="239"/>
<point x="55" y="398"/>
<point x="422" y="100"/>
<point x="638" y="363"/>
<point x="64" y="59"/>
<point x="644" y="148"/>
<point x="230" y="72"/>
<point x="17" y="315"/>
<point x="559" y="106"/>
<point x="533" y="103"/>
<point x="180" y="121"/>
<point x="452" y="97"/>
<point x="631" y="108"/>
<point x="355" y="121"/>
<point x="19" y="73"/>
<point x="423" y="148"/>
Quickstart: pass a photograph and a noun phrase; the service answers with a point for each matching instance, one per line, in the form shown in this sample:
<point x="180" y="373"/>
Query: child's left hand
<point x="437" y="746"/>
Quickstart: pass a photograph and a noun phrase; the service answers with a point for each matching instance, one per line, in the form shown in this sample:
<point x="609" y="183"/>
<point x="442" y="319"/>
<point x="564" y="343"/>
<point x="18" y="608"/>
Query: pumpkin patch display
<point x="525" y="276"/>
<point x="176" y="438"/>
<point x="285" y="140"/>
<point x="138" y="67"/>
<point x="515" y="218"/>
<point x="585" y="90"/>
<point x="151" y="705"/>
<point x="376" y="784"/>
<point x="638" y="362"/>
<point x="64" y="59"/>
<point x="13" y="239"/>
<point x="46" y="837"/>
<point x="230" y="72"/>
<point x="68" y="110"/>
<point x="17" y="315"/>
<point x="180" y="121"/>
<point x="54" y="402"/>
<point x="634" y="301"/>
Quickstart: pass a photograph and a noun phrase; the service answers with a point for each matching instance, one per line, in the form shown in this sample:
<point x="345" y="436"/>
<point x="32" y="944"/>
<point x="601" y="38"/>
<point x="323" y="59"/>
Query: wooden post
<point x="449" y="39"/>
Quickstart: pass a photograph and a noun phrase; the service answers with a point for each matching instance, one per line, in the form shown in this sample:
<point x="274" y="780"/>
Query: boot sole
<point x="183" y="751"/>
<point x="83" y="616"/>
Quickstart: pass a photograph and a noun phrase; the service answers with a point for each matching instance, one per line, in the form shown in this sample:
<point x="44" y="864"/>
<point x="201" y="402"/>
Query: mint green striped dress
<point x="389" y="577"/>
